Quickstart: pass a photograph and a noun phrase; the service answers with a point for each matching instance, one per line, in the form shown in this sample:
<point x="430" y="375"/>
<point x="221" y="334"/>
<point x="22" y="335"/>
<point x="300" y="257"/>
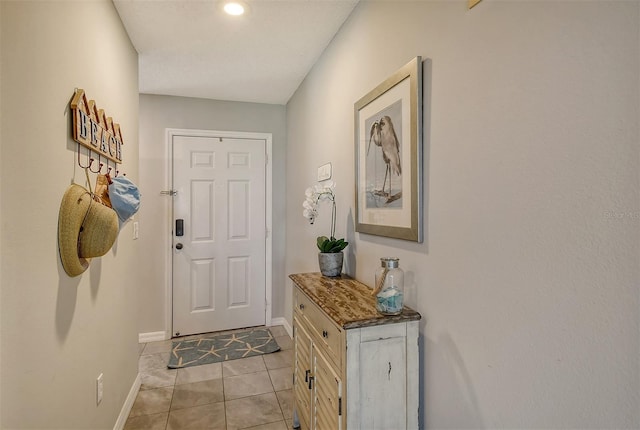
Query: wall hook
<point x="99" y="165"/>
<point x="90" y="159"/>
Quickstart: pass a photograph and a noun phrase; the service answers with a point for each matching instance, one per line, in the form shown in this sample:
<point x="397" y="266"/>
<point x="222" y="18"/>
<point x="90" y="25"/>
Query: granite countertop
<point x="347" y="301"/>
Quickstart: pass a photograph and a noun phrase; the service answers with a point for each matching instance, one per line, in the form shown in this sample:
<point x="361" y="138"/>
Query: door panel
<point x="203" y="273"/>
<point x="383" y="372"/>
<point x="328" y="391"/>
<point x="203" y="197"/>
<point x="219" y="272"/>
<point x="302" y="373"/>
<point x="239" y="216"/>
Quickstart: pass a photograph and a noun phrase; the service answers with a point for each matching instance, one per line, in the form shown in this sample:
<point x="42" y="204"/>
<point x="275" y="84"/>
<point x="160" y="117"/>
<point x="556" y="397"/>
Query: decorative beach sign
<point x="94" y="130"/>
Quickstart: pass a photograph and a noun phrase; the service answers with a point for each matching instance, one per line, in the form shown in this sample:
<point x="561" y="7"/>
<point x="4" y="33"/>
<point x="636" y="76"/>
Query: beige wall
<point x="1" y="217"/>
<point x="157" y="113"/>
<point x="60" y="333"/>
<point x="529" y="273"/>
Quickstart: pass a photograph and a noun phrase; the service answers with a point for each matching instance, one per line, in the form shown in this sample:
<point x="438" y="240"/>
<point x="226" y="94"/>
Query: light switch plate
<point x="99" y="388"/>
<point x="324" y="172"/>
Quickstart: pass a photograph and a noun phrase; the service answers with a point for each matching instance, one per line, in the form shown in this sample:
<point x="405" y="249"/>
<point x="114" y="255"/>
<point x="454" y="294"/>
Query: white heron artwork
<point x="383" y="135"/>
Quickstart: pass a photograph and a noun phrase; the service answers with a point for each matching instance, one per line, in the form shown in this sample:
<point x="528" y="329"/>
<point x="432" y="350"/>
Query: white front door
<point x="219" y="259"/>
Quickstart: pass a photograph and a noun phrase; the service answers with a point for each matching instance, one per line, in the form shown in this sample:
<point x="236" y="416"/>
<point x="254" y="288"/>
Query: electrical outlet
<point x="135" y="230"/>
<point x="99" y="389"/>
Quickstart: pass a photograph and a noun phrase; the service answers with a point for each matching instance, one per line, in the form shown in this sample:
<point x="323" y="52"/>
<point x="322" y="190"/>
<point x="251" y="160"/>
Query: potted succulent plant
<point x="330" y="257"/>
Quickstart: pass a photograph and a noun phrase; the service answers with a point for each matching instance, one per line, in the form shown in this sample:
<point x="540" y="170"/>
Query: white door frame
<point x="267" y="137"/>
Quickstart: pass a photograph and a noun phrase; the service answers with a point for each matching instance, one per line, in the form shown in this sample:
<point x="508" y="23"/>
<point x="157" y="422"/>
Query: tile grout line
<point x="275" y="393"/>
<point x="224" y="398"/>
<point x="173" y="392"/>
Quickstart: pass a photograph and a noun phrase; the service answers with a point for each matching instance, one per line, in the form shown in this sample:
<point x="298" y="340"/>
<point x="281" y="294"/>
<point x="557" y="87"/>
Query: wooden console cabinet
<point x="353" y="367"/>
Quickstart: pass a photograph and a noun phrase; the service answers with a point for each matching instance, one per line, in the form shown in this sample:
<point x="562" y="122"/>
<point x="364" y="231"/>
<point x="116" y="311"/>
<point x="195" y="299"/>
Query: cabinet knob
<point x="325" y="334"/>
<point x="301" y="306"/>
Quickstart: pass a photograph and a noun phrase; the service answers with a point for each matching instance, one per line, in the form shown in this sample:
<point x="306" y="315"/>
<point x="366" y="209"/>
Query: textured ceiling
<point x="191" y="48"/>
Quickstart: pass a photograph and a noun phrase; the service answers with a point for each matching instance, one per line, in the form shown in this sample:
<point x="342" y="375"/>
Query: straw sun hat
<point x="86" y="229"/>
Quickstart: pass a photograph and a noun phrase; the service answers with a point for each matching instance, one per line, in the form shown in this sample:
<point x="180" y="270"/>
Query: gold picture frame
<point x="388" y="156"/>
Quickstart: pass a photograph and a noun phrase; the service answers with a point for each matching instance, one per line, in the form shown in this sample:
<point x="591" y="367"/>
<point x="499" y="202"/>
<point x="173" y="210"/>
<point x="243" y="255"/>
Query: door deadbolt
<point x="179" y="227"/>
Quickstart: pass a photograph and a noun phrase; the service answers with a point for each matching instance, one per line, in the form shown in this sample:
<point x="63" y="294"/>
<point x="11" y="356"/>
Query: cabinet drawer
<point x="321" y="327"/>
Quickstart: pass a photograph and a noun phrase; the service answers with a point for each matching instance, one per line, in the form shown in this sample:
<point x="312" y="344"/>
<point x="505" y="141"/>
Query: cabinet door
<point x="327" y="394"/>
<point x="383" y="384"/>
<point x="302" y="373"/>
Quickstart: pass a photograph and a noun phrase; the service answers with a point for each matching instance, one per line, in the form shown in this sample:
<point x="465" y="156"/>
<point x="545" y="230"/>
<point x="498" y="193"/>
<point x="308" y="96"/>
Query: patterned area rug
<point x="222" y="347"/>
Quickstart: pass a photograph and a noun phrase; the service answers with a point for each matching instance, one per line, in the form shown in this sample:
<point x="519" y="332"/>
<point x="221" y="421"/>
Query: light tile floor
<point x="248" y="393"/>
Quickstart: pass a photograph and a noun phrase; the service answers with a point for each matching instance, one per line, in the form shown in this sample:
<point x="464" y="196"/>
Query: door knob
<point x="178" y="246"/>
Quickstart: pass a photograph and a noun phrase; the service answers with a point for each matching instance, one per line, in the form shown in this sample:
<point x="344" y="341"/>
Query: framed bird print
<point x="388" y="145"/>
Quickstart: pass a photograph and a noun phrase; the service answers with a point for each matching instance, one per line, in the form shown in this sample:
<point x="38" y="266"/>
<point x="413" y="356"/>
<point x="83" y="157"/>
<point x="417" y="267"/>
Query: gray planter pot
<point x="330" y="263"/>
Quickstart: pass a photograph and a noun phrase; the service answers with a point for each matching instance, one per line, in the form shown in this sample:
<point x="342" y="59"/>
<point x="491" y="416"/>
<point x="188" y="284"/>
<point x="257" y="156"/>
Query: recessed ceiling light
<point x="235" y="8"/>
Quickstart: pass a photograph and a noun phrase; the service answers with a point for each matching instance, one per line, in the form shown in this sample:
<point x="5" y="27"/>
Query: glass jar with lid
<point x="389" y="288"/>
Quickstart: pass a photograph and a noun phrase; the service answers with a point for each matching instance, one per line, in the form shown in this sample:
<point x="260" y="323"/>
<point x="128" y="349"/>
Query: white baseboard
<point x="152" y="337"/>
<point x="283" y="322"/>
<point x="128" y="404"/>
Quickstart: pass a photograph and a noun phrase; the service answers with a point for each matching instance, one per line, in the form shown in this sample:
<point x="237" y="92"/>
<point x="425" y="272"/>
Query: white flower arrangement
<point x="314" y="195"/>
